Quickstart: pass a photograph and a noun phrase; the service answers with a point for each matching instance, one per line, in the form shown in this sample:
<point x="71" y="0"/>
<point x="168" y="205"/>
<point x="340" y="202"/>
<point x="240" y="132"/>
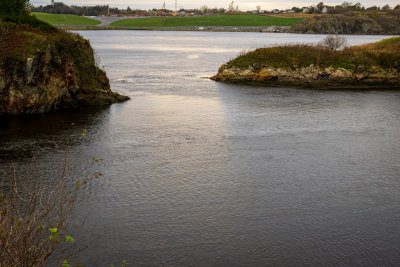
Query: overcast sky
<point x="243" y="4"/>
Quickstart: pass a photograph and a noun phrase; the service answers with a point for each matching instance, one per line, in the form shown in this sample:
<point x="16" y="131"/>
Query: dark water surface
<point x="199" y="173"/>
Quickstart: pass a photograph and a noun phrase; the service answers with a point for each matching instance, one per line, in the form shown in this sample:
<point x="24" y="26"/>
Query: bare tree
<point x="204" y="9"/>
<point x="33" y="215"/>
<point x="334" y="42"/>
<point x="258" y="8"/>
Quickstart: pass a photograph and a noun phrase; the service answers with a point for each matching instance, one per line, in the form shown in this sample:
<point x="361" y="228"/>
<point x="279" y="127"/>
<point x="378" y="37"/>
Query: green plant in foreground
<point x="33" y="216"/>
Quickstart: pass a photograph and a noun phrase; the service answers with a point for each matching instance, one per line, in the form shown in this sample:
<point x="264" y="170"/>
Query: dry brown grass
<point x="384" y="54"/>
<point x="294" y="15"/>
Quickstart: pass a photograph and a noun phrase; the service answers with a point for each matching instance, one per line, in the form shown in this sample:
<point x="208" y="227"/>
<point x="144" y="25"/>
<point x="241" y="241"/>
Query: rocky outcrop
<point x="51" y="71"/>
<point x="383" y="22"/>
<point x="374" y="65"/>
<point x="311" y="76"/>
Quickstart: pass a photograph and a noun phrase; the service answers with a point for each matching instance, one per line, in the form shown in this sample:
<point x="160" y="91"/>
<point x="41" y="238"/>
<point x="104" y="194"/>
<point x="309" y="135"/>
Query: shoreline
<point x="267" y="29"/>
<point x="263" y="29"/>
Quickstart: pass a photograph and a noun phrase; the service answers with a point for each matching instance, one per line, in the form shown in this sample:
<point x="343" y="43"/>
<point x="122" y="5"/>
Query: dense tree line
<point x="13" y="7"/>
<point x="343" y="8"/>
<point x="60" y="8"/>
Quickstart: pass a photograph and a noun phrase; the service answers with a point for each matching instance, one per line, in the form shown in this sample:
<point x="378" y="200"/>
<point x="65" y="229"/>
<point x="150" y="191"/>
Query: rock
<point x="61" y="75"/>
<point x="384" y="22"/>
<point x="310" y="76"/>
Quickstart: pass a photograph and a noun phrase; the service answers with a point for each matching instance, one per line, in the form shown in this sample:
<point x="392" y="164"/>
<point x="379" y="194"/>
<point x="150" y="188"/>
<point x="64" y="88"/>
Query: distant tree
<point x="297" y="10"/>
<point x="334" y="42"/>
<point x="204" y="9"/>
<point x="331" y="10"/>
<point x="386" y="7"/>
<point x="397" y="7"/>
<point x="358" y="6"/>
<point x="258" y="8"/>
<point x="346" y="5"/>
<point x="339" y="9"/>
<point x="14" y="7"/>
<point x="373" y="8"/>
<point x="320" y="5"/>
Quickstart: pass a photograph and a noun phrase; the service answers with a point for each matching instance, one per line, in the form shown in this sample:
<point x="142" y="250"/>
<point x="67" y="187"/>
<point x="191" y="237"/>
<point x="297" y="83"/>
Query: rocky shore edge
<point x="310" y="77"/>
<point x="323" y="65"/>
<point x="48" y="70"/>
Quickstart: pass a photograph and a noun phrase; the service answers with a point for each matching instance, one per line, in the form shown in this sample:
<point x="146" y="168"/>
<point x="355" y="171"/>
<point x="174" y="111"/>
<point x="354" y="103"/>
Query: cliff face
<point x="311" y="76"/>
<point x="45" y="71"/>
<point x="383" y="22"/>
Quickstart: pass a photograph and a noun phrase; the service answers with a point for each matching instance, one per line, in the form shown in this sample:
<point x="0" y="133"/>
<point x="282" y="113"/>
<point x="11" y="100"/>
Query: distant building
<point x="290" y="11"/>
<point x="56" y="3"/>
<point x="275" y="11"/>
<point x="306" y="10"/>
<point x="325" y="10"/>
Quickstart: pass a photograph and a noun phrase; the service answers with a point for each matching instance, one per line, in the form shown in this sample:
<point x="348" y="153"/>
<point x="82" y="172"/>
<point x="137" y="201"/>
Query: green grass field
<point x="220" y="20"/>
<point x="61" y="19"/>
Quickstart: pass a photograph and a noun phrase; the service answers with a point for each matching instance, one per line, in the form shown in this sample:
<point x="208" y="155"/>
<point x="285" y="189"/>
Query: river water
<point x="201" y="173"/>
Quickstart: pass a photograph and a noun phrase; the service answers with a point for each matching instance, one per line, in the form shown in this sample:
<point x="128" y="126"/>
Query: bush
<point x="14" y="7"/>
<point x="334" y="42"/>
<point x="4" y="29"/>
<point x="33" y="216"/>
<point x="383" y="54"/>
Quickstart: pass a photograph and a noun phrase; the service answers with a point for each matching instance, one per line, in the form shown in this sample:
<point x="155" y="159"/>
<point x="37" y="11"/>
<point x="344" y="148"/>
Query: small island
<point x="375" y="65"/>
<point x="43" y="68"/>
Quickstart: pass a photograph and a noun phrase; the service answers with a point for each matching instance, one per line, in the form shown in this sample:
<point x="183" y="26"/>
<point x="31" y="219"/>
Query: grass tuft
<point x="384" y="54"/>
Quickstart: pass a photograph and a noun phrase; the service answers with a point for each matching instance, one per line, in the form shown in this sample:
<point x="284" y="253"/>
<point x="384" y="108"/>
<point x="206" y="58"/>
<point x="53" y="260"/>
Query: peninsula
<point x="375" y="65"/>
<point x="43" y="68"/>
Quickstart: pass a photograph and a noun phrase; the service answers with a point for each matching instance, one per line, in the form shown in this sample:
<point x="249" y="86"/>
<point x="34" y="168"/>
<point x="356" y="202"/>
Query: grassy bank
<point x="65" y="19"/>
<point x="370" y="66"/>
<point x="220" y="20"/>
<point x="383" y="54"/>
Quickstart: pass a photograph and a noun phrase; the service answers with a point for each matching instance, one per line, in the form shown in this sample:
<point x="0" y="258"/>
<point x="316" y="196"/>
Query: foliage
<point x="30" y="20"/>
<point x="33" y="216"/>
<point x="59" y="19"/>
<point x="355" y="22"/>
<point x="4" y="29"/>
<point x="383" y="54"/>
<point x="13" y="7"/>
<point x="334" y="42"/>
<point x="220" y="20"/>
<point x="15" y="11"/>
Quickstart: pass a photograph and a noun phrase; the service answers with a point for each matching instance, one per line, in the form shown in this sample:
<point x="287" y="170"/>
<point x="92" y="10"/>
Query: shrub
<point x="33" y="216"/>
<point x="13" y="7"/>
<point x="334" y="42"/>
<point x="383" y="54"/>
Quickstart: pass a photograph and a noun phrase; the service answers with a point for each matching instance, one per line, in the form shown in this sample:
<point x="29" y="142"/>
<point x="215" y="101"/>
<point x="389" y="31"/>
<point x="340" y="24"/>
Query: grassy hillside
<point x="375" y="22"/>
<point x="220" y="20"/>
<point x="383" y="54"/>
<point x="65" y="19"/>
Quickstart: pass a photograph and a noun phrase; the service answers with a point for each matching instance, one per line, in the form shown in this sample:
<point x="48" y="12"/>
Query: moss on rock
<point x="48" y="70"/>
<point x="374" y="65"/>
